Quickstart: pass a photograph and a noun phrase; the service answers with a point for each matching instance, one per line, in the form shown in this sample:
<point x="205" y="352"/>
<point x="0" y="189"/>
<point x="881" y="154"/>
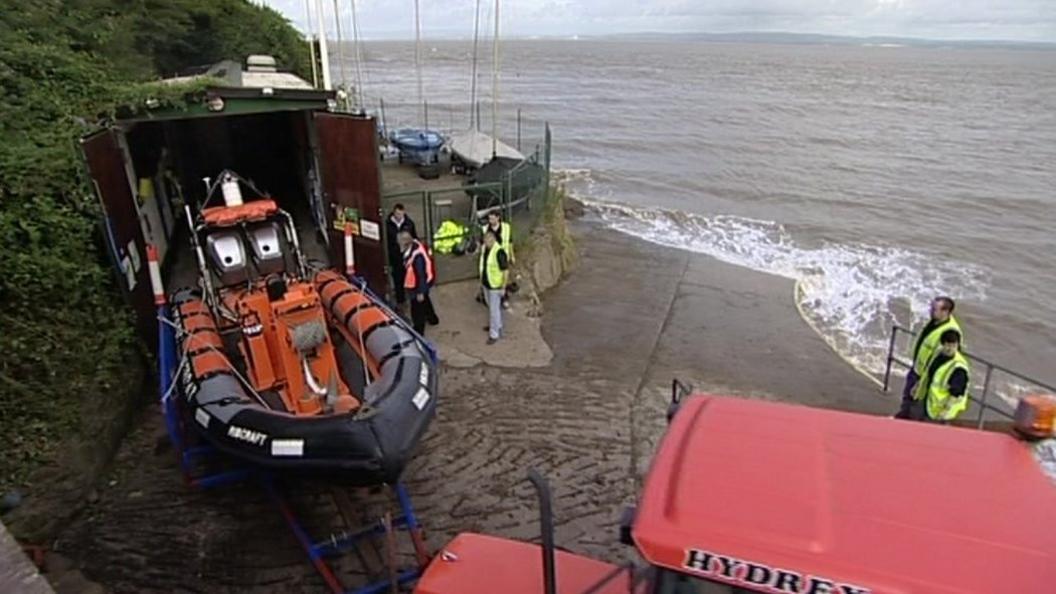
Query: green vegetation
<point x="66" y="338"/>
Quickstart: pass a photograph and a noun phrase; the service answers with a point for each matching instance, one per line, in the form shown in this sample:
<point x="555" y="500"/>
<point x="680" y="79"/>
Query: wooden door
<point x="351" y="182"/>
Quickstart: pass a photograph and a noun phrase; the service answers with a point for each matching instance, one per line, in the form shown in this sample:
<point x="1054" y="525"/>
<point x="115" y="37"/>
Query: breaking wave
<point x="851" y="294"/>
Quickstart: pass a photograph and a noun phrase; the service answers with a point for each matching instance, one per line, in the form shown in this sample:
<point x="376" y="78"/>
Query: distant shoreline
<point x="760" y="37"/>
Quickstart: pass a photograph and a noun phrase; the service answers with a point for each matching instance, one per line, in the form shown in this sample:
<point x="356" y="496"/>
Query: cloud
<point x="954" y="19"/>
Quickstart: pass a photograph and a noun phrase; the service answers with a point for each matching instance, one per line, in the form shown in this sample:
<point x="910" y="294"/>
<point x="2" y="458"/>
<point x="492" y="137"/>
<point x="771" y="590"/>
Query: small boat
<point x="417" y="145"/>
<point x="522" y="175"/>
<point x="474" y="149"/>
<point x="292" y="368"/>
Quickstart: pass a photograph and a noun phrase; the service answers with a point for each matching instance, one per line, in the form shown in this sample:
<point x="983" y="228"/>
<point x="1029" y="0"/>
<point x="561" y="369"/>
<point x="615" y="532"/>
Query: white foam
<point x="852" y="293"/>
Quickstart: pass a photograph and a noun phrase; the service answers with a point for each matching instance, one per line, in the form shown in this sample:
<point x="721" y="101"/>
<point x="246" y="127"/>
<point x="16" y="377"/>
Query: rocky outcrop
<point x="547" y="253"/>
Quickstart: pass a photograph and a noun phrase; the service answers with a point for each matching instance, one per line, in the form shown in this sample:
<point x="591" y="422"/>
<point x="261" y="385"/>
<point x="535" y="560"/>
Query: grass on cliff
<point x="65" y="333"/>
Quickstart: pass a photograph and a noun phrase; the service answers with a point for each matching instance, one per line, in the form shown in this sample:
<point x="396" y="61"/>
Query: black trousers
<point x="910" y="408"/>
<point x="398" y="273"/>
<point x="422" y="312"/>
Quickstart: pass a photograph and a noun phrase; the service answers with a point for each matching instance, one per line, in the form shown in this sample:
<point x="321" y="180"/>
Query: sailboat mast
<point x="311" y="42"/>
<point x="474" y="124"/>
<point x="340" y="51"/>
<point x="418" y="59"/>
<point x="324" y="56"/>
<point x="358" y="55"/>
<point x="495" y="87"/>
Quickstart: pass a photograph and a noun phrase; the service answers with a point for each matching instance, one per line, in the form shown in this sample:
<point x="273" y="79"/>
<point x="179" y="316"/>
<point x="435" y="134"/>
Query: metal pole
<point x="495" y="87"/>
<point x="546" y="528"/>
<point x="890" y="356"/>
<point x="311" y="43"/>
<point x="418" y="54"/>
<point x="341" y="52"/>
<point x="474" y="116"/>
<point x="478" y="115"/>
<point x="324" y="55"/>
<point x="384" y="124"/>
<point x="518" y="128"/>
<point x="982" y="401"/>
<point x="425" y="106"/>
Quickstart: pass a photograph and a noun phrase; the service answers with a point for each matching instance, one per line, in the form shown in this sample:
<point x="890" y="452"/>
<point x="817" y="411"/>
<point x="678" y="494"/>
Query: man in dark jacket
<point x="397" y="222"/>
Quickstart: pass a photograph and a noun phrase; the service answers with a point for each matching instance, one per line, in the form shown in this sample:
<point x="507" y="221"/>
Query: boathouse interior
<point x="271" y="149"/>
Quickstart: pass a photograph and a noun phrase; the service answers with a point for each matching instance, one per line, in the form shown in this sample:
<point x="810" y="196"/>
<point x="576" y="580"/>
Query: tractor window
<point x="673" y="582"/>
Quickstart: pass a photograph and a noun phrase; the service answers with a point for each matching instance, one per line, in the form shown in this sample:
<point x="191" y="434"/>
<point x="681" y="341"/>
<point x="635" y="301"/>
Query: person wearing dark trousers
<point x="493" y="266"/>
<point x="397" y="222"/>
<point x="925" y="347"/>
<point x="942" y="393"/>
<point x="419" y="277"/>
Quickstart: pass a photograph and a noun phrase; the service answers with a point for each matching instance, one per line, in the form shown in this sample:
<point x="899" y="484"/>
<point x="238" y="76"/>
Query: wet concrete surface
<point x="630" y="318"/>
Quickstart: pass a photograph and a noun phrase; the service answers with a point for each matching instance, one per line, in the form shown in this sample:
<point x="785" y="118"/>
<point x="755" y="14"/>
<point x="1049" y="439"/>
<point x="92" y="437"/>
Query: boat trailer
<point x="192" y="456"/>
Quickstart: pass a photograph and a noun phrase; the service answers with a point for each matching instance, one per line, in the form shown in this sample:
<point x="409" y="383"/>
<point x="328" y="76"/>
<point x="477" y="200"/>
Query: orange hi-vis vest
<point x="410" y="279"/>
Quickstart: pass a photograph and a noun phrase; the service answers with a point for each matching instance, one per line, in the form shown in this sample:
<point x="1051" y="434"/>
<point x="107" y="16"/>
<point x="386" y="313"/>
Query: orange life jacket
<point x="410" y="279"/>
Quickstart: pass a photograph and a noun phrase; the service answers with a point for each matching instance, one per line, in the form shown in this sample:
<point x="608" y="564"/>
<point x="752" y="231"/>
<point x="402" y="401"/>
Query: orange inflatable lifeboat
<point x="292" y="368"/>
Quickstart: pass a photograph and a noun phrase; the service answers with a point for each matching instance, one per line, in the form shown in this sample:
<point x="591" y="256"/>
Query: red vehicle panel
<point x="781" y="498"/>
<point x="477" y="564"/>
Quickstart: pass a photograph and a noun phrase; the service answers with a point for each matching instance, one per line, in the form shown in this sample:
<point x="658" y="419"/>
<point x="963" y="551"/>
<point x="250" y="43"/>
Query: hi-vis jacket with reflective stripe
<point x="929" y="343"/>
<point x="941" y="405"/>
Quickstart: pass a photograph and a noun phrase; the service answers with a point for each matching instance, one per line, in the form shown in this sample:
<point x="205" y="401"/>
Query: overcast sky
<point x="1028" y="20"/>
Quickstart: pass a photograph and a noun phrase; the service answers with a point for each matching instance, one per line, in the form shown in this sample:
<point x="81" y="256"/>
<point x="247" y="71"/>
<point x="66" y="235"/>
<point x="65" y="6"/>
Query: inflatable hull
<point x="367" y="446"/>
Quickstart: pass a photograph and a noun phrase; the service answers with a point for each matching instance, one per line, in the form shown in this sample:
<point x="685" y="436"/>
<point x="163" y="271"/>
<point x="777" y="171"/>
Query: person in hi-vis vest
<point x="504" y="233"/>
<point x="494" y="263"/>
<point x="925" y="347"/>
<point x="941" y="394"/>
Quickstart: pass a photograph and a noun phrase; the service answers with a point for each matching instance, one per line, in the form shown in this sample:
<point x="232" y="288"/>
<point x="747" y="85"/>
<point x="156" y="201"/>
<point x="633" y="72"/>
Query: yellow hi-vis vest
<point x="942" y="406"/>
<point x="447" y="236"/>
<point x="505" y="237"/>
<point x="930" y="344"/>
<point x="496" y="276"/>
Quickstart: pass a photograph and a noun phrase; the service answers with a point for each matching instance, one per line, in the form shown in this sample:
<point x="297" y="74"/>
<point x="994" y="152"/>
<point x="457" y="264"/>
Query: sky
<point x="1018" y="20"/>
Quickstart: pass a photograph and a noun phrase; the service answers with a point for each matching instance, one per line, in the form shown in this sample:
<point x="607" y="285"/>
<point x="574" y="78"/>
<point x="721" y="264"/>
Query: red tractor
<point x="753" y="496"/>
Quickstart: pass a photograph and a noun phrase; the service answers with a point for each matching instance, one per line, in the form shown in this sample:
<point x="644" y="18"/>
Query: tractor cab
<point x="755" y="496"/>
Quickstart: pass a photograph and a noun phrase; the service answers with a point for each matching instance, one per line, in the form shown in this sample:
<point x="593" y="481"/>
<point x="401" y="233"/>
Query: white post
<point x="495" y="87"/>
<point x="350" y="255"/>
<point x="324" y="56"/>
<point x="155" y="275"/>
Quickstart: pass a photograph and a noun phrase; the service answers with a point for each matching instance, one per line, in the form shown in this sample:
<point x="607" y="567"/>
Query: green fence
<point x="464" y="208"/>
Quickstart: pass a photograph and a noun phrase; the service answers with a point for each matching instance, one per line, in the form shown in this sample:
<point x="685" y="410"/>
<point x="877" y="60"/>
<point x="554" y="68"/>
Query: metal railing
<point x="983" y="401"/>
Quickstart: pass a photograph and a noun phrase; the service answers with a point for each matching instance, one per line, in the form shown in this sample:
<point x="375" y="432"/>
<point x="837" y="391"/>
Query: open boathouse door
<point x="348" y="157"/>
<point x="320" y="166"/>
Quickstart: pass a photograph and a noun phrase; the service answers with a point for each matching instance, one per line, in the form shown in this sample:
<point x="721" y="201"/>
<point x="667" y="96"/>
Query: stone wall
<point x="547" y="253"/>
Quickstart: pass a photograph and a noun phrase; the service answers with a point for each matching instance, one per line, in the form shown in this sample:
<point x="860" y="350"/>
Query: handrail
<point x="990" y="368"/>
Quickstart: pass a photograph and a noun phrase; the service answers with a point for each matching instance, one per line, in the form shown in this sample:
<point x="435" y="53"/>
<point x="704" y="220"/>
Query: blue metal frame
<point x="316" y="551"/>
